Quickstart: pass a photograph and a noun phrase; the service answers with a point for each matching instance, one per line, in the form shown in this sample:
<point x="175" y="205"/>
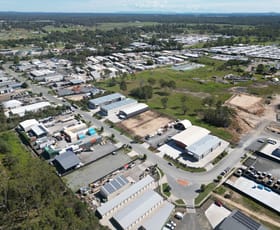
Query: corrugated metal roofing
<point x="118" y="104"/>
<point x="204" y="145"/>
<point x="138" y="208"/>
<point x="108" y="206"/>
<point x="67" y="160"/>
<point x="157" y="220"/>
<point x="114" y="185"/>
<point x="238" y="220"/>
<point x="191" y="135"/>
<point x="107" y="98"/>
<point x="134" y="108"/>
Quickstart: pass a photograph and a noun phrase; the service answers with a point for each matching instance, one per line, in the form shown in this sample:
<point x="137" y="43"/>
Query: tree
<point x="184" y="107"/>
<point x="123" y="86"/>
<point x="202" y="188"/>
<point x="24" y="85"/>
<point x="16" y="60"/>
<point x="260" y="69"/>
<point x="172" y="84"/>
<point x="144" y="92"/>
<point x="149" y="62"/>
<point x="152" y="81"/>
<point x="164" y="101"/>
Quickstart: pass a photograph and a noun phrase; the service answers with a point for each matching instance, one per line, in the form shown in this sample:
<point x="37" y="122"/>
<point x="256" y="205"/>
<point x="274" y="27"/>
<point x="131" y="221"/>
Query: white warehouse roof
<point x="137" y="209"/>
<point x="27" y="124"/>
<point x="159" y="217"/>
<point x="30" y="108"/>
<point x="108" y="206"/>
<point x="11" y="104"/>
<point x="191" y="135"/>
<point x="134" y="108"/>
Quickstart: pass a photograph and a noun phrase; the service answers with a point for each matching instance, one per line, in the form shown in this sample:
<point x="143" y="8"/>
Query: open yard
<point x="146" y="123"/>
<point x="247" y="103"/>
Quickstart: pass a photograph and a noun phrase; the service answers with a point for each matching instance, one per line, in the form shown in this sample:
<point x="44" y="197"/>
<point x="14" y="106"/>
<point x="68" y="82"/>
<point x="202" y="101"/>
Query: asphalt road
<point x="188" y="193"/>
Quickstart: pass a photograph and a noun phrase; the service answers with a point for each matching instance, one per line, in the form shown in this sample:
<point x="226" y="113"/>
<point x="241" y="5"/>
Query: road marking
<point x="183" y="182"/>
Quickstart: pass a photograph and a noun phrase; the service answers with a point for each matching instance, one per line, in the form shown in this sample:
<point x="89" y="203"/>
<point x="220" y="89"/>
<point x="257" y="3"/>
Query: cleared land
<point x="146" y="123"/>
<point x="247" y="103"/>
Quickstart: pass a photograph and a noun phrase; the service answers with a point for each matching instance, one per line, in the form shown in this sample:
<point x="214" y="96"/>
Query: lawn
<point x="205" y="193"/>
<point x="166" y="189"/>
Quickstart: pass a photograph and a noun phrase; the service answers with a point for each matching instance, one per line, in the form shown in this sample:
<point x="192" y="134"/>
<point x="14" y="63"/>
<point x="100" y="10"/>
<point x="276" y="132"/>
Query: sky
<point x="113" y="6"/>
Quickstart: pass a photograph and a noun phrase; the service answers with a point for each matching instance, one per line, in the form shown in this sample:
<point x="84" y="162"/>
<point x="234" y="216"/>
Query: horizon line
<point x="136" y="12"/>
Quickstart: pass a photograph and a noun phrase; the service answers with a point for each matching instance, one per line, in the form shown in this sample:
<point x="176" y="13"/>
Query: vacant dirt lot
<point x="146" y="123"/>
<point x="247" y="103"/>
<point x="245" y="121"/>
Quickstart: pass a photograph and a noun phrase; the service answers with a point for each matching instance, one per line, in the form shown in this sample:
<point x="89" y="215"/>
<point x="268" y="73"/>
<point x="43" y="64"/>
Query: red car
<point x="218" y="203"/>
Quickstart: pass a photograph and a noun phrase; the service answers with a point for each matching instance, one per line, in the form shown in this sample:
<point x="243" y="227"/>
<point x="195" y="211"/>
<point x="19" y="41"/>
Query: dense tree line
<point x="33" y="197"/>
<point x="89" y="19"/>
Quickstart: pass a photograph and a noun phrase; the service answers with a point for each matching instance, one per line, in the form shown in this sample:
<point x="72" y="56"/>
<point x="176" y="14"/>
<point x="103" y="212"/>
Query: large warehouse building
<point x="109" y="189"/>
<point x="20" y="111"/>
<point x="117" y="202"/>
<point x="189" y="136"/>
<point x="105" y="100"/>
<point x="137" y="207"/>
<point x="204" y="146"/>
<point x="114" y="108"/>
<point x="133" y="110"/>
<point x="135" y="212"/>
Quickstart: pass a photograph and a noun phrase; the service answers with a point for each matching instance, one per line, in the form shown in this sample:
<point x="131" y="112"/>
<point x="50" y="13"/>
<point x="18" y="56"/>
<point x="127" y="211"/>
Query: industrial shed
<point x="204" y="146"/>
<point x="28" y="108"/>
<point x="128" y="217"/>
<point x="114" y="108"/>
<point x="238" y="220"/>
<point x="158" y="218"/>
<point x="11" y="104"/>
<point x="133" y="110"/>
<point x="127" y="195"/>
<point x="190" y="136"/>
<point x="105" y="100"/>
<point x="39" y="130"/>
<point x="110" y="188"/>
<point x="66" y="161"/>
<point x="27" y="124"/>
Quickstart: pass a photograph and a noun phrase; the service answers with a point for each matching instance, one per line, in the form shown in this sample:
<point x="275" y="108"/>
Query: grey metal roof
<point x="238" y="220"/>
<point x="118" y="104"/>
<point x="204" y="145"/>
<point x="107" y="98"/>
<point x="38" y="130"/>
<point x="108" y="206"/>
<point x="138" y="208"/>
<point x="114" y="185"/>
<point x="67" y="160"/>
<point x="134" y="108"/>
<point x="158" y="218"/>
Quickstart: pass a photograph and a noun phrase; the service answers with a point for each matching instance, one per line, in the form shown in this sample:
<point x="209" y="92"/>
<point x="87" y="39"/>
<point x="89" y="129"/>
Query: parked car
<point x="218" y="203"/>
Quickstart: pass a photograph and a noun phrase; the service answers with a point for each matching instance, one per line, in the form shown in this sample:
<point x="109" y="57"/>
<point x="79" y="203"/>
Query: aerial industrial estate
<point x="172" y="128"/>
